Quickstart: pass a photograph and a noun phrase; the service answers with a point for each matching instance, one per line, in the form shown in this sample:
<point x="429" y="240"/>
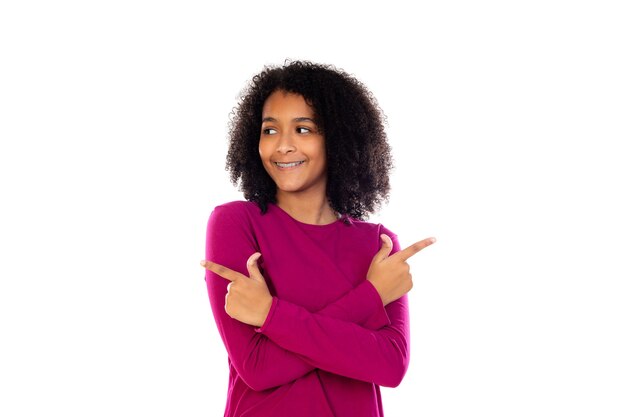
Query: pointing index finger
<point x="409" y="251"/>
<point x="221" y="270"/>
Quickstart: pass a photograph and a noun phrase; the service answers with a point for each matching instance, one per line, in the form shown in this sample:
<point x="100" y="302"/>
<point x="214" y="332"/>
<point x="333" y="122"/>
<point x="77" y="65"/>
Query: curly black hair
<point x="357" y="152"/>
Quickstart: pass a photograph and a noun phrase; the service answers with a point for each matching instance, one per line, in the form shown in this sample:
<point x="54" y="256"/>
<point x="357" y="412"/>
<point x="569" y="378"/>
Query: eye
<point x="306" y="129"/>
<point x="269" y="131"/>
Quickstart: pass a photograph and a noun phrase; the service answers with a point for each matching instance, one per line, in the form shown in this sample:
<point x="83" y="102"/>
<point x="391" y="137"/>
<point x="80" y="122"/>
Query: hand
<point x="247" y="299"/>
<point x="390" y="274"/>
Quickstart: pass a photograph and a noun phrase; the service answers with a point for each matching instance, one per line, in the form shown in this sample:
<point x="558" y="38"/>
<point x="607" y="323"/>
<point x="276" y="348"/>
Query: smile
<point x="288" y="165"/>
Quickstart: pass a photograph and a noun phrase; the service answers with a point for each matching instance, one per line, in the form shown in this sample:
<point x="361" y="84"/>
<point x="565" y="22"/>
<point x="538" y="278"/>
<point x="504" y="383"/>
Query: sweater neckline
<point x="310" y="226"/>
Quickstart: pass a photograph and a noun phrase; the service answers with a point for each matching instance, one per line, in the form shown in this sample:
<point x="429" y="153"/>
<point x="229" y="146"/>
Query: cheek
<point x="263" y="153"/>
<point x="321" y="151"/>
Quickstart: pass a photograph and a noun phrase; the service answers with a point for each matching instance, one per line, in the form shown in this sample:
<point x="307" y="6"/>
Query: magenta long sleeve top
<point x="328" y="342"/>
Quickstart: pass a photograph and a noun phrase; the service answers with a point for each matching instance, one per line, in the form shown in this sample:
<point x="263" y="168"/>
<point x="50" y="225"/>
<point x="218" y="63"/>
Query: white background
<point x="505" y="120"/>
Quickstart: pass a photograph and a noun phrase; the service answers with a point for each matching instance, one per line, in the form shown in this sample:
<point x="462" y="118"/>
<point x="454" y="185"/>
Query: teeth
<point x="289" y="165"/>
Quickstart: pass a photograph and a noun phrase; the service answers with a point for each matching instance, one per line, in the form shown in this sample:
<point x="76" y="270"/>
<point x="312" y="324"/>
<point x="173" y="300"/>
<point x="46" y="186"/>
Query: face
<point x="289" y="135"/>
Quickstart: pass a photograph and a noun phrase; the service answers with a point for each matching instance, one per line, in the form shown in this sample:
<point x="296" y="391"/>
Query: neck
<point x="311" y="209"/>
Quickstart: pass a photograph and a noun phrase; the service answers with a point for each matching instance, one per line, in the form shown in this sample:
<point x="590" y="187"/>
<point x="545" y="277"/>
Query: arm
<point x="362" y="305"/>
<point x="341" y="347"/>
<point x="259" y="361"/>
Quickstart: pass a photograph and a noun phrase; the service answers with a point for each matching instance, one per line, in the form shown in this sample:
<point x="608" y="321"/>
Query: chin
<point x="288" y="189"/>
<point x="291" y="186"/>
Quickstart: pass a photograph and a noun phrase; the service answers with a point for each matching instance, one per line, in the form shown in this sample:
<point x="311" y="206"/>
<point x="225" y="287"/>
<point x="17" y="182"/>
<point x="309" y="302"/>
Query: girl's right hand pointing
<point x="390" y="274"/>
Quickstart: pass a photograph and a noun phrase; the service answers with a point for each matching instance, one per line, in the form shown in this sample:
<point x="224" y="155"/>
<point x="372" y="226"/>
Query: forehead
<point x="285" y="104"/>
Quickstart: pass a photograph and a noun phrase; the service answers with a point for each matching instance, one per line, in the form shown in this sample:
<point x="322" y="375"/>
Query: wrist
<point x="380" y="292"/>
<point x="265" y="310"/>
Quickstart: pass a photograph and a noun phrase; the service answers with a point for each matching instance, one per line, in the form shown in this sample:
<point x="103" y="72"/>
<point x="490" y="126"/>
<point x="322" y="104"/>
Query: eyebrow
<point x="297" y="119"/>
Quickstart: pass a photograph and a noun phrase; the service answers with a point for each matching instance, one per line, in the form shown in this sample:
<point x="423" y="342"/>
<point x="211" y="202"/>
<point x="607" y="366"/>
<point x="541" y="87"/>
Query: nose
<point x="285" y="143"/>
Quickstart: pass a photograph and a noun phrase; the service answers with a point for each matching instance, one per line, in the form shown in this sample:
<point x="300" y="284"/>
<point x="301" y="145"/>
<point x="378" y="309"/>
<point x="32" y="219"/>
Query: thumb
<point x="253" y="268"/>
<point x="383" y="253"/>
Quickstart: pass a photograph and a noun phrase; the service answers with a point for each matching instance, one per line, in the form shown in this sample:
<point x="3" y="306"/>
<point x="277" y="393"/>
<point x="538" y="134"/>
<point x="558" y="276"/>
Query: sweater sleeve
<point x="345" y="348"/>
<point x="362" y="305"/>
<point x="259" y="361"/>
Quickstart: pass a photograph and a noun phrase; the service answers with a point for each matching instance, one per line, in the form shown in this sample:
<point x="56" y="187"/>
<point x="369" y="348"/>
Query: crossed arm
<point x="354" y="336"/>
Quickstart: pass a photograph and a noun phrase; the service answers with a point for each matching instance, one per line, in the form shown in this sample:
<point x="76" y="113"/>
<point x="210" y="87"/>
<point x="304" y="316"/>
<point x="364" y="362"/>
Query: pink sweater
<point x="327" y="343"/>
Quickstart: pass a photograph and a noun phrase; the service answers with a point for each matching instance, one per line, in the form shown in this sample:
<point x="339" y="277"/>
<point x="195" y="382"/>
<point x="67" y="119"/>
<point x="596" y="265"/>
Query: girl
<point x="309" y="298"/>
